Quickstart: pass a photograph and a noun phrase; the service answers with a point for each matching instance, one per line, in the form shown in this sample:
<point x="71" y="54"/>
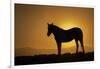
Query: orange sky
<point x="31" y="28"/>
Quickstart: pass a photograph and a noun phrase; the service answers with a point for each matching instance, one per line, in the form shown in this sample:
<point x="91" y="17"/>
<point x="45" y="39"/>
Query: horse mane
<point x="56" y="27"/>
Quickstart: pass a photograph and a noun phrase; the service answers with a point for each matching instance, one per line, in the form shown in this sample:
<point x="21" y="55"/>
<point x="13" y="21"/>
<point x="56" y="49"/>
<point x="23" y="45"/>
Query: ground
<point x="53" y="58"/>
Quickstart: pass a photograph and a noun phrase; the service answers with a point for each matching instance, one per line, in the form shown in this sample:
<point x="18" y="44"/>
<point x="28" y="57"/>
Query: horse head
<point x="50" y="29"/>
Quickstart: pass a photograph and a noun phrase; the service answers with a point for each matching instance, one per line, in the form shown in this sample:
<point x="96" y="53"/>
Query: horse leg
<point x="81" y="41"/>
<point x="76" y="46"/>
<point x="59" y="48"/>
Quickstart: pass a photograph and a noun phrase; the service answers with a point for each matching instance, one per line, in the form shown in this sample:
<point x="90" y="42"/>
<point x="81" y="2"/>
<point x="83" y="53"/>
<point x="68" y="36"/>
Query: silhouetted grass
<point x="53" y="58"/>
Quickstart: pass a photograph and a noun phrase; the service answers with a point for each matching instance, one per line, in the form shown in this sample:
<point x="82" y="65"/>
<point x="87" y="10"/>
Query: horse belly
<point x="67" y="39"/>
<point x="64" y="38"/>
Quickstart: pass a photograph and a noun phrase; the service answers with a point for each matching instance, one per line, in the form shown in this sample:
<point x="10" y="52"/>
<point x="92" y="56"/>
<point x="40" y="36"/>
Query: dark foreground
<point x="53" y="58"/>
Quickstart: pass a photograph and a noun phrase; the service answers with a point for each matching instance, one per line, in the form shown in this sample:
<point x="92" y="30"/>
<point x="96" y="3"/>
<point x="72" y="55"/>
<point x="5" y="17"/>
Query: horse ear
<point x="48" y="23"/>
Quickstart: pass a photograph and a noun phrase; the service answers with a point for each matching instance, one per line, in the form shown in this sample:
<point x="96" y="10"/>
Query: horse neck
<point x="56" y="30"/>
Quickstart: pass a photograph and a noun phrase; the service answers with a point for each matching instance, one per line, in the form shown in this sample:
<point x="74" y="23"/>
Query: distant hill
<point x="31" y="52"/>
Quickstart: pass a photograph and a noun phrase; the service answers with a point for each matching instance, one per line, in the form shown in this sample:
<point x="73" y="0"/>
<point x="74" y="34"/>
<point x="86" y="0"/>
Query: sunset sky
<point x="31" y="28"/>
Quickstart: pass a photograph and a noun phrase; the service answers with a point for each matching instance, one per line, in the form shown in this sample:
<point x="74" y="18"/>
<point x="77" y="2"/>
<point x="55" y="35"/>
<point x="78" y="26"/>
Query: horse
<point x="66" y="36"/>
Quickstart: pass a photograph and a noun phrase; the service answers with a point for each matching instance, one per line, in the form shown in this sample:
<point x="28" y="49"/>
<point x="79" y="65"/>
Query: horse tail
<point x="81" y="42"/>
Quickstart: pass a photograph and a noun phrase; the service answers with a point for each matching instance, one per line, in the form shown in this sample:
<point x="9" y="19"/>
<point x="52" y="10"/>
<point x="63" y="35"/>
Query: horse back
<point x="68" y="35"/>
<point x="75" y="33"/>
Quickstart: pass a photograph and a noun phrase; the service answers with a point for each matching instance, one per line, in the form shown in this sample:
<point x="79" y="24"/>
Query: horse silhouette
<point x="66" y="36"/>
